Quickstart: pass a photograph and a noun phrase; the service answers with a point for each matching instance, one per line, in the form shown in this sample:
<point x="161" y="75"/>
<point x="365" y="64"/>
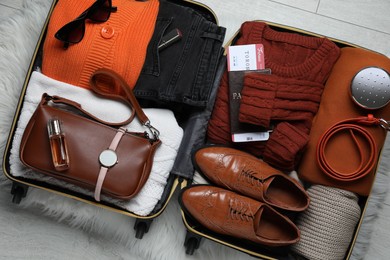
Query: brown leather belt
<point x="354" y="127"/>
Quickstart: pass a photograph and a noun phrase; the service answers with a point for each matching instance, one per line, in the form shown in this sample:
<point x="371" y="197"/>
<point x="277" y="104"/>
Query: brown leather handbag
<point x="99" y="155"/>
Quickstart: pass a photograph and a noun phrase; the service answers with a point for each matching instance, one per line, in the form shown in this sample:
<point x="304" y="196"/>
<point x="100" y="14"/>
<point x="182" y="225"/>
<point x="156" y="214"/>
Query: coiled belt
<point x="354" y="127"/>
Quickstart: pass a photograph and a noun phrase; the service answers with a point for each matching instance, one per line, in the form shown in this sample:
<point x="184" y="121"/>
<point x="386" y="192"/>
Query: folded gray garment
<point x="327" y="226"/>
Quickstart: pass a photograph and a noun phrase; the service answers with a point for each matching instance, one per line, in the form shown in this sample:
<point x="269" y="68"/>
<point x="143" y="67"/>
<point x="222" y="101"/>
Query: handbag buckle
<point x="384" y="124"/>
<point x="153" y="130"/>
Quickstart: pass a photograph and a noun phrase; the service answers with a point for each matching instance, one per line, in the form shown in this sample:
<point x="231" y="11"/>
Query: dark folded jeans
<point x="184" y="72"/>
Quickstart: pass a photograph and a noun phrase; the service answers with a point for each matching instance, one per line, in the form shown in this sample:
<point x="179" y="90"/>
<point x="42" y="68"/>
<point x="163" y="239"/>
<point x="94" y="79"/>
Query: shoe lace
<point x="248" y="175"/>
<point x="240" y="210"/>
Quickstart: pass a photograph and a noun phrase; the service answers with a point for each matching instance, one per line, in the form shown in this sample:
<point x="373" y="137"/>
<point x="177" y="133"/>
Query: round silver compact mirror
<point x="370" y="88"/>
<point x="108" y="158"/>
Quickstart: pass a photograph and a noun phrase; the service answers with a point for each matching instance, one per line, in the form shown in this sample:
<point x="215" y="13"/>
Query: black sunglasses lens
<point x="101" y="11"/>
<point x="72" y="32"/>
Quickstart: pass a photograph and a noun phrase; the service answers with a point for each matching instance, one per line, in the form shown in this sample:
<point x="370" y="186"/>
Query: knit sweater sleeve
<point x="269" y="97"/>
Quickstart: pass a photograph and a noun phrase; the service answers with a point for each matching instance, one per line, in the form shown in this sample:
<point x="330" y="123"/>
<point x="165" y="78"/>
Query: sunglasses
<point x="73" y="32"/>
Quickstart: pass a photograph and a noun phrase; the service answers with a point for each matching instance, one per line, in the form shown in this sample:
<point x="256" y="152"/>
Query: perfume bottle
<point x="59" y="150"/>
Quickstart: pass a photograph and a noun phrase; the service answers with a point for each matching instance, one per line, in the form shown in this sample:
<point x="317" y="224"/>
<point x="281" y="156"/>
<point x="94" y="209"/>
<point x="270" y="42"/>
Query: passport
<point x="244" y="59"/>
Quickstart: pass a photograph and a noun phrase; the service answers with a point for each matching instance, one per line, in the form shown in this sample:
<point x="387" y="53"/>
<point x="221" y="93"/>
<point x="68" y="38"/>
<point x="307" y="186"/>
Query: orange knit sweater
<point x="119" y="44"/>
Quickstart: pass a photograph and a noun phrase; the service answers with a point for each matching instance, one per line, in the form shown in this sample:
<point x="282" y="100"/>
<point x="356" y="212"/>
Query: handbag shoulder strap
<point x="61" y="100"/>
<point x="108" y="83"/>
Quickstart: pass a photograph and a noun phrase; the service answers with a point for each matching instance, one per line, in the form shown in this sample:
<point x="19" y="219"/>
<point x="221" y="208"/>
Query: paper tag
<point x="246" y="57"/>
<point x="250" y="137"/>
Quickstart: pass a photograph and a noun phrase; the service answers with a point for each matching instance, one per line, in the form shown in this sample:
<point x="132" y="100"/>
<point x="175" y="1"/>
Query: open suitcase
<point x="182" y="173"/>
<point x="196" y="231"/>
<point x="182" y="167"/>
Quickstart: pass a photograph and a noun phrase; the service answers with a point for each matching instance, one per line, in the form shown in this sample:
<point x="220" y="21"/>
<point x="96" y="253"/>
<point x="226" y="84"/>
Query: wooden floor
<point x="362" y="22"/>
<point x="366" y="23"/>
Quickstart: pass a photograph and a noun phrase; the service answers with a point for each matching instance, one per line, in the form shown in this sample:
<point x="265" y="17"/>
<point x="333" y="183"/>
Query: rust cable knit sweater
<point x="288" y="99"/>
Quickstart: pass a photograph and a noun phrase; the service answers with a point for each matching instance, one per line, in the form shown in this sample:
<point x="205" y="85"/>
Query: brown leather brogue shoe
<point x="228" y="213"/>
<point x="241" y="172"/>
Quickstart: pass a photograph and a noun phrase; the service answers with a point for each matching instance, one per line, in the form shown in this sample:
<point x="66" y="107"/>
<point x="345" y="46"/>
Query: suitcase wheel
<point x="141" y="227"/>
<point x="19" y="191"/>
<point x="192" y="242"/>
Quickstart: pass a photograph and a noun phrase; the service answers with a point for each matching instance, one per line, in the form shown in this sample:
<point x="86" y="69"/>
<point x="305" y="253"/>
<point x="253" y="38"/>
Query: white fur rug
<point x="48" y="226"/>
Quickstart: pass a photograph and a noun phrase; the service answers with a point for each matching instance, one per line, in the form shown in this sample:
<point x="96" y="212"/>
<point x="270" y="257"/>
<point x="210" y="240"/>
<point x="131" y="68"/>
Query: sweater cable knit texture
<point x="300" y="66"/>
<point x="292" y="55"/>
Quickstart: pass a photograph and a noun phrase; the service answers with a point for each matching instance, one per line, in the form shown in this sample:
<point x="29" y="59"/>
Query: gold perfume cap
<point x="54" y="127"/>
